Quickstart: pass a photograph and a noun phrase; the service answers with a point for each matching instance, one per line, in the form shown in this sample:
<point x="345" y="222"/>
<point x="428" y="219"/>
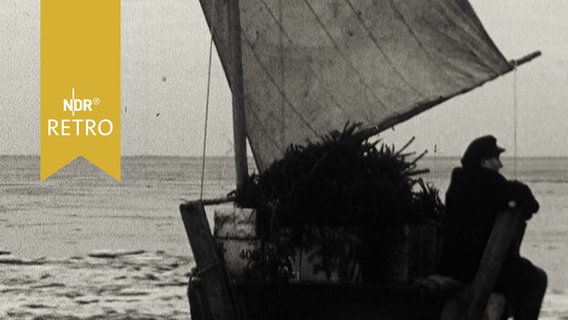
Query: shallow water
<point x="80" y="208"/>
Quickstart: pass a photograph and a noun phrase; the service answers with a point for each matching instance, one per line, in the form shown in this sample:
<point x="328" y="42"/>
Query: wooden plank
<point x="334" y="301"/>
<point x="470" y="304"/>
<point x="199" y="307"/>
<point x="210" y="265"/>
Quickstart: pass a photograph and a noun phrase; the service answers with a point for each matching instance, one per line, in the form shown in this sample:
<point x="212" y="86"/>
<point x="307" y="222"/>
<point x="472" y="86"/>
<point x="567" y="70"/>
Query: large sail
<point x="309" y="66"/>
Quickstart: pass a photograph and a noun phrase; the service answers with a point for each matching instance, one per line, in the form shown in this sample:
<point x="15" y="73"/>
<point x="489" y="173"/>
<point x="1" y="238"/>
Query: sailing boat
<point x="298" y="69"/>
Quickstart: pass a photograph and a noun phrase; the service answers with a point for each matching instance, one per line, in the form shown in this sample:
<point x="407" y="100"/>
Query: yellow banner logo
<point x="80" y="84"/>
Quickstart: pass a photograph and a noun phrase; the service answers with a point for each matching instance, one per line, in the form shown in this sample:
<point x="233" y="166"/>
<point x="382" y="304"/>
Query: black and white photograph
<point x="289" y="159"/>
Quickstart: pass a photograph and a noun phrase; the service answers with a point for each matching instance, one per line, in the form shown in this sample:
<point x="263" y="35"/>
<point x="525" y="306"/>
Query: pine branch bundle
<point x="343" y="182"/>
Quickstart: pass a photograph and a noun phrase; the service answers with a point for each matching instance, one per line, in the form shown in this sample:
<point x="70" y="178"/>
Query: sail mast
<point x="237" y="88"/>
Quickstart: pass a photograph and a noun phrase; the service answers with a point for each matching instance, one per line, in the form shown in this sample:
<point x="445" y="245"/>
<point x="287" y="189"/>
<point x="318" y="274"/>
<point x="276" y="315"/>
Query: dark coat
<point x="474" y="198"/>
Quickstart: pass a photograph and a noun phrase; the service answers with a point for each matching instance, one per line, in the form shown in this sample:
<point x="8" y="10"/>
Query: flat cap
<point x="482" y="147"/>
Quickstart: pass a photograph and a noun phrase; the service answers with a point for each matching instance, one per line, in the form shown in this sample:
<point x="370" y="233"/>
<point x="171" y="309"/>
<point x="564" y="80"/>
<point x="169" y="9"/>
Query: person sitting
<point x="477" y="193"/>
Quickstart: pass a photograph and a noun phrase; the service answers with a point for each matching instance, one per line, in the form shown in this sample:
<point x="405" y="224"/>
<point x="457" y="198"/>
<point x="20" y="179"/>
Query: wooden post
<point x="210" y="263"/>
<point x="500" y="241"/>
<point x="237" y="89"/>
<point x="470" y="304"/>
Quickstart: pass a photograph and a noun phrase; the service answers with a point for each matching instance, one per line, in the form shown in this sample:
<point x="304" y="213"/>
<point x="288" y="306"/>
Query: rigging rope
<point x="207" y="106"/>
<point x="515" y="120"/>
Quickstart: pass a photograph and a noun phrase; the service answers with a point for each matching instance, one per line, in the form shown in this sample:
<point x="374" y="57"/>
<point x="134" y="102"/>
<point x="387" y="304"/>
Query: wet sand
<point x="103" y="285"/>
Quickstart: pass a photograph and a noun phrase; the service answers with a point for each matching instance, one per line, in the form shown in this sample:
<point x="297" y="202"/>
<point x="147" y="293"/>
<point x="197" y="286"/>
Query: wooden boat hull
<point x="213" y="295"/>
<point x="326" y="301"/>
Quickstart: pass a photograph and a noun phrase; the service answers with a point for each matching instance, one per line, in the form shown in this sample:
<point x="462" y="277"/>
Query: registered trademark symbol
<point x="96" y="101"/>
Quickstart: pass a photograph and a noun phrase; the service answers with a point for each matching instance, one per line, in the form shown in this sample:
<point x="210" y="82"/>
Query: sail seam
<point x="421" y="107"/>
<point x="316" y="76"/>
<point x="420" y="44"/>
<point x="381" y="49"/>
<point x="259" y="124"/>
<point x="348" y="62"/>
<point x="474" y="19"/>
<point x="257" y="158"/>
<point x="456" y="67"/>
<point x="282" y="76"/>
<point x="275" y="85"/>
<point x="470" y="29"/>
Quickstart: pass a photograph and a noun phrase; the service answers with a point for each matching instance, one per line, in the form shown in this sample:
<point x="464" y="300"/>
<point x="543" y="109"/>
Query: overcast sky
<point x="165" y="47"/>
